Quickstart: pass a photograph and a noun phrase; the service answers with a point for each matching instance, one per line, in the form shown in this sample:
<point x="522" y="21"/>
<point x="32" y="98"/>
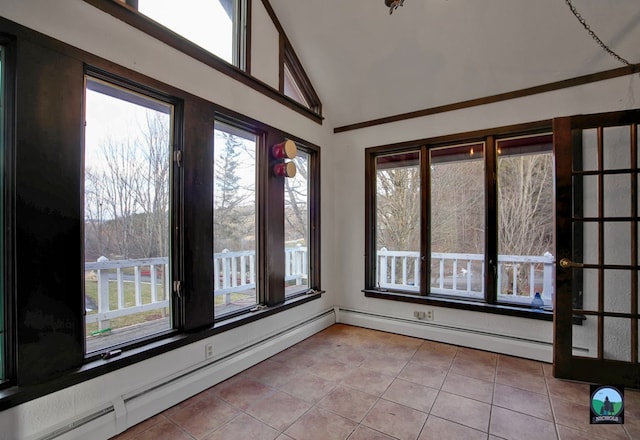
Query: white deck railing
<point x="463" y="274"/>
<point x="151" y="271"/>
<point x="234" y="272"/>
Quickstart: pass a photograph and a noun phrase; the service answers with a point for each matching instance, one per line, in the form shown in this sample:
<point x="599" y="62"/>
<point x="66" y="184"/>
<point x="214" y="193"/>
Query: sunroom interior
<point x="449" y="171"/>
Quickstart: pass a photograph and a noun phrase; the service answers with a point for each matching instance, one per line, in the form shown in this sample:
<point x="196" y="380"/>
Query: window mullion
<point x="425" y="226"/>
<point x="491" y="222"/>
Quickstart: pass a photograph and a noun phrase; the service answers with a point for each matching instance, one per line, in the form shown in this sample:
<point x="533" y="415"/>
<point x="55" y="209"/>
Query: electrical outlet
<point x="423" y="315"/>
<point x="208" y="350"/>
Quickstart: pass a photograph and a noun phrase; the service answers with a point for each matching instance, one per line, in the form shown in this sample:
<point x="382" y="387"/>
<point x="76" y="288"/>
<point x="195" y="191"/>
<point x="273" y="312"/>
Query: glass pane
<point x="589" y="243"/>
<point x="126" y="212"/>
<point x="589" y="202"/>
<point x="292" y="88"/>
<point x="617" y="339"/>
<point x="234" y="220"/>
<point x="296" y="227"/>
<point x="589" y="151"/>
<point x="617" y="147"/>
<point x="208" y="23"/>
<point x="457" y="220"/>
<point x="398" y="221"/>
<point x="588" y="279"/>
<point x="617" y="243"/>
<point x="585" y="338"/>
<point x="617" y="195"/>
<point x="617" y="290"/>
<point x="525" y="220"/>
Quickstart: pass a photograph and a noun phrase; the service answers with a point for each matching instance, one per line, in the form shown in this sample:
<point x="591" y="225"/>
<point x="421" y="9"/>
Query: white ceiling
<point x="365" y="63"/>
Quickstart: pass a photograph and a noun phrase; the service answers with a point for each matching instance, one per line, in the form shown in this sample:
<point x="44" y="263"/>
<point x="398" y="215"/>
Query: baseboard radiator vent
<point x="529" y="348"/>
<point x="105" y="422"/>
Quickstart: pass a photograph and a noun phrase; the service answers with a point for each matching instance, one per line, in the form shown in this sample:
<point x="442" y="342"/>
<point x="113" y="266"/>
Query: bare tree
<point x="296" y="194"/>
<point x="398" y="208"/>
<point x="127" y="193"/>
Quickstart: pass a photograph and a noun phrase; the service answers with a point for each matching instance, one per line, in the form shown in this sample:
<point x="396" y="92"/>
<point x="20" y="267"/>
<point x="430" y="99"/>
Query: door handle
<point x="566" y="263"/>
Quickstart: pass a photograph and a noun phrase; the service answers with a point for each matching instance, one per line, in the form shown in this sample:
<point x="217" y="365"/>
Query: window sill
<point x="475" y="306"/>
<point x="15" y="395"/>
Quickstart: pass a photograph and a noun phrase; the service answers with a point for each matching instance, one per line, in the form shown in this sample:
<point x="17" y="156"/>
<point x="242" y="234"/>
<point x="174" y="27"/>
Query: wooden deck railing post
<point x="103" y="298"/>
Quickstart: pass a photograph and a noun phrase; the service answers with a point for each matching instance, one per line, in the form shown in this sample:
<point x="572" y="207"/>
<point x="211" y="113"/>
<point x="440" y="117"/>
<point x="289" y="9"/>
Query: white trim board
<point x="528" y="348"/>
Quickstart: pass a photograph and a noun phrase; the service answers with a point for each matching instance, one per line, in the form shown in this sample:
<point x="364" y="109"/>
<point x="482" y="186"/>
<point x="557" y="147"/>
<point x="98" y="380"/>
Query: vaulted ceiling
<point x="366" y="63"/>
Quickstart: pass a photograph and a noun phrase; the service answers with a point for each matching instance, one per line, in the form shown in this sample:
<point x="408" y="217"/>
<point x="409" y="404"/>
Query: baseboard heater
<point x="133" y="408"/>
<point x="467" y="337"/>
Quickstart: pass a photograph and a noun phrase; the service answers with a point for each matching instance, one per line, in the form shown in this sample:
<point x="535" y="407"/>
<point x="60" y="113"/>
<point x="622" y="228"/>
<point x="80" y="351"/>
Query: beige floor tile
<point x="279" y="410"/>
<point x="396" y="420"/>
<point x="368" y="381"/>
<point x="412" y="395"/>
<point x="203" y="416"/>
<point x="244" y="427"/>
<point x="441" y="429"/>
<point x="462" y="410"/>
<point x="419" y="373"/>
<point x="469" y="387"/>
<point x="522" y="401"/>
<point x="517" y="426"/>
<point x="319" y="424"/>
<point x="308" y="387"/>
<point x="348" y="402"/>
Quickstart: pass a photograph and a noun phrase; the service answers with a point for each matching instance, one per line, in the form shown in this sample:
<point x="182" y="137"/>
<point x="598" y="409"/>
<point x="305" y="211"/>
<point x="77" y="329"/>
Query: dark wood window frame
<point x="489" y="137"/>
<point x="47" y="214"/>
<point x="127" y="12"/>
<point x="8" y="80"/>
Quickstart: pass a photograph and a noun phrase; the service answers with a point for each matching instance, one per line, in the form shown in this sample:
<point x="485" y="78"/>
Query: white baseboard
<point x="105" y="422"/>
<point x="482" y="340"/>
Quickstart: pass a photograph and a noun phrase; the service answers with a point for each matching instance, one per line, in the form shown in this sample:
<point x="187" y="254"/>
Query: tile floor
<point x="358" y="384"/>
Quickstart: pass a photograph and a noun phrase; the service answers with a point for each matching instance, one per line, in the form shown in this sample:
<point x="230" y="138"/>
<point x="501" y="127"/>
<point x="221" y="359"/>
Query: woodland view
<point x="457" y="203"/>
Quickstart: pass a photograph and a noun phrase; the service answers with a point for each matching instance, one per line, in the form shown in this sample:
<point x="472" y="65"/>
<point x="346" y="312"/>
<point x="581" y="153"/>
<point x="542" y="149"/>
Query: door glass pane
<point x="617" y="195"/>
<point x="588" y="280"/>
<point x="617" y="339"/>
<point x="525" y="219"/>
<point x="398" y="221"/>
<point x="210" y="24"/>
<point x="617" y="243"/>
<point x="127" y="167"/>
<point x="617" y="142"/>
<point x="617" y="290"/>
<point x="457" y="220"/>
<point x="296" y="227"/>
<point x="234" y="219"/>
<point x="585" y="338"/>
<point x="588" y="157"/>
<point x="589" y="205"/>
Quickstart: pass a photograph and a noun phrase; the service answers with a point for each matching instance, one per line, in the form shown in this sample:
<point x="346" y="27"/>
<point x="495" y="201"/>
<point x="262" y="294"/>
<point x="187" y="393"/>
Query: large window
<point x="235" y="237"/>
<point x="127" y="194"/>
<point x="469" y="222"/>
<point x="214" y="25"/>
<point x="113" y="248"/>
<point x="296" y="226"/>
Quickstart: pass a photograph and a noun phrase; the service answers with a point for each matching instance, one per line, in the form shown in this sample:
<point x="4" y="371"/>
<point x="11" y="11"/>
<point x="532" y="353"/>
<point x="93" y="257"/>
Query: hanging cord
<point x="584" y="23"/>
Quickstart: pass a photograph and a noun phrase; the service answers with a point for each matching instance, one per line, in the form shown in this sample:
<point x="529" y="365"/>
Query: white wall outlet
<point x="423" y="315"/>
<point x="208" y="350"/>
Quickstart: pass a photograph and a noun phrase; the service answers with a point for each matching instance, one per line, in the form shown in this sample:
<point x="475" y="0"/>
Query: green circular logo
<point x="606" y="401"/>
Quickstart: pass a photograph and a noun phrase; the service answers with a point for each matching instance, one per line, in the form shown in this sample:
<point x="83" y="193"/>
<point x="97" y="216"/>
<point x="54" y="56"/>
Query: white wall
<point x="480" y="330"/>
